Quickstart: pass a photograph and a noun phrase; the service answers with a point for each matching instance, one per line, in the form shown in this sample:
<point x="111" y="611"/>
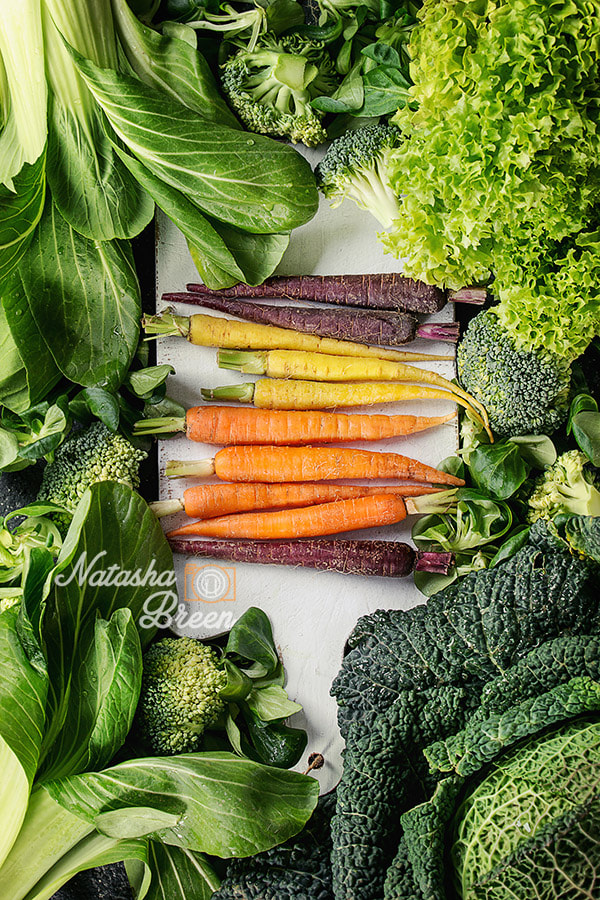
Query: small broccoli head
<point x="564" y="488"/>
<point x="88" y="456"/>
<point x="524" y="392"/>
<point x="356" y="166"/>
<point x="271" y="87"/>
<point x="180" y="695"/>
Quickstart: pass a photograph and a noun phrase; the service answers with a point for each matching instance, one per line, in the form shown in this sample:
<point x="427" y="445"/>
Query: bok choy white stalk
<point x="101" y="118"/>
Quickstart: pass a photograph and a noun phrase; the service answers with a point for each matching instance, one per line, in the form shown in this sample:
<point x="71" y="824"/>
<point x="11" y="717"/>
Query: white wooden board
<point x="312" y="612"/>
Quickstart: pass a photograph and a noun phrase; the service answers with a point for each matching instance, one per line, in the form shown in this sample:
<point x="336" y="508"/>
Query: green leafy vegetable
<point x="24" y="90"/>
<point x="498" y="469"/>
<point x="84" y="298"/>
<point x="498" y="657"/>
<point x="298" y="868"/>
<point x="28" y="368"/>
<point x="172" y="66"/>
<point x="20" y="212"/>
<point x="473" y="531"/>
<point x="72" y="651"/>
<point x="485" y="845"/>
<point x="222" y="170"/>
<point x="584" y="424"/>
<point x="179" y="874"/>
<point x="478" y="169"/>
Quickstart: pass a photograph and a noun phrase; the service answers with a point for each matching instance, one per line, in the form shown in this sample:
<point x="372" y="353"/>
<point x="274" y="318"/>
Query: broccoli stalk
<point x="356" y="167"/>
<point x="564" y="488"/>
<point x="231" y="22"/>
<point x="271" y="87"/>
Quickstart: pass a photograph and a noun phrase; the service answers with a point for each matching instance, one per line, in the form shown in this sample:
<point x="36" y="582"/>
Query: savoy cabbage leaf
<point x="489" y="662"/>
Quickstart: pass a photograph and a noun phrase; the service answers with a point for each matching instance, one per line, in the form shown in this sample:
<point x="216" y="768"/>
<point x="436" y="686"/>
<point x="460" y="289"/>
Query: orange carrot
<point x="307" y="521"/>
<point x="276" y="464"/>
<point x="204" y="501"/>
<point x="236" y="425"/>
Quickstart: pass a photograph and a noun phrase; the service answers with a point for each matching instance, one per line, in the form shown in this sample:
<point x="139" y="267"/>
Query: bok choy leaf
<point x="249" y="181"/>
<point x="23" y="88"/>
<point x="23" y="690"/>
<point x="28" y="368"/>
<point x="223" y="254"/>
<point x="84" y="298"/>
<point x="171" y="65"/>
<point x="20" y="211"/>
<point x="183" y="874"/>
<point x="90" y="186"/>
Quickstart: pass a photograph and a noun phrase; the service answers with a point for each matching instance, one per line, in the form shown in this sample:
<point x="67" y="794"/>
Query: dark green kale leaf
<point x="382" y="776"/>
<point x="420" y="676"/>
<point x="475" y="629"/>
<point x="300" y="869"/>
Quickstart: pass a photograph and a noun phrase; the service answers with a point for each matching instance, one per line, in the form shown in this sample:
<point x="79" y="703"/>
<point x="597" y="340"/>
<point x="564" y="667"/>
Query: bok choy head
<point x="72" y="670"/>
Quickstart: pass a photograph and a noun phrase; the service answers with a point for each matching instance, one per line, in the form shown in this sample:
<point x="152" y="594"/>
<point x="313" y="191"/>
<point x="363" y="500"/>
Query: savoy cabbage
<point x="446" y="709"/>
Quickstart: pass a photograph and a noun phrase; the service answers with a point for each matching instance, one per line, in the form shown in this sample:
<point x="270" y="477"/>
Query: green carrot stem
<point x="199" y="468"/>
<point x="164" y="425"/>
<point x="166" y="324"/>
<point x="249" y="362"/>
<point x="243" y="393"/>
<point x="162" y="508"/>
<point x="430" y="504"/>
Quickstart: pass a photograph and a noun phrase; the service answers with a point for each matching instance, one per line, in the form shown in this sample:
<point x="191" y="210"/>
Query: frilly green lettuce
<point x="499" y="170"/>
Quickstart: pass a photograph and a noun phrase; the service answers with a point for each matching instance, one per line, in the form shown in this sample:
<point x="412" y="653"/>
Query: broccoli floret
<point x="271" y="87"/>
<point x="523" y="391"/>
<point x="180" y="695"/>
<point x="87" y="456"/>
<point x="356" y="166"/>
<point x="564" y="488"/>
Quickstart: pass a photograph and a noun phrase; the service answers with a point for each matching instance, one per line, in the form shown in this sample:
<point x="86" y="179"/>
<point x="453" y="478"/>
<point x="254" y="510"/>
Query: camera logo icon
<point x="210" y="583"/>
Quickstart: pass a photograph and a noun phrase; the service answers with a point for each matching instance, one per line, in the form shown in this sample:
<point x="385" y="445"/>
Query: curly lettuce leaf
<point x="499" y="166"/>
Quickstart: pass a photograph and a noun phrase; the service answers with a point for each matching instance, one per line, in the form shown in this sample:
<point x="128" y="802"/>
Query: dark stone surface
<point x="106" y="883"/>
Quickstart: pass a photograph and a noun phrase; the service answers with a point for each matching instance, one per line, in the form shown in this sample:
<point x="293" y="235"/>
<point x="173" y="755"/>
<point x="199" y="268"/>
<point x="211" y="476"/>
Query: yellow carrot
<point x="215" y="331"/>
<point x="288" y="393"/>
<point x="327" y="367"/>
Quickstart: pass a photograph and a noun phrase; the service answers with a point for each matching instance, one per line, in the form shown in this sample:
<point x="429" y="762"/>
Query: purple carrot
<point x="364" y="326"/>
<point x="391" y="559"/>
<point x="383" y="291"/>
<point x="475" y="295"/>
